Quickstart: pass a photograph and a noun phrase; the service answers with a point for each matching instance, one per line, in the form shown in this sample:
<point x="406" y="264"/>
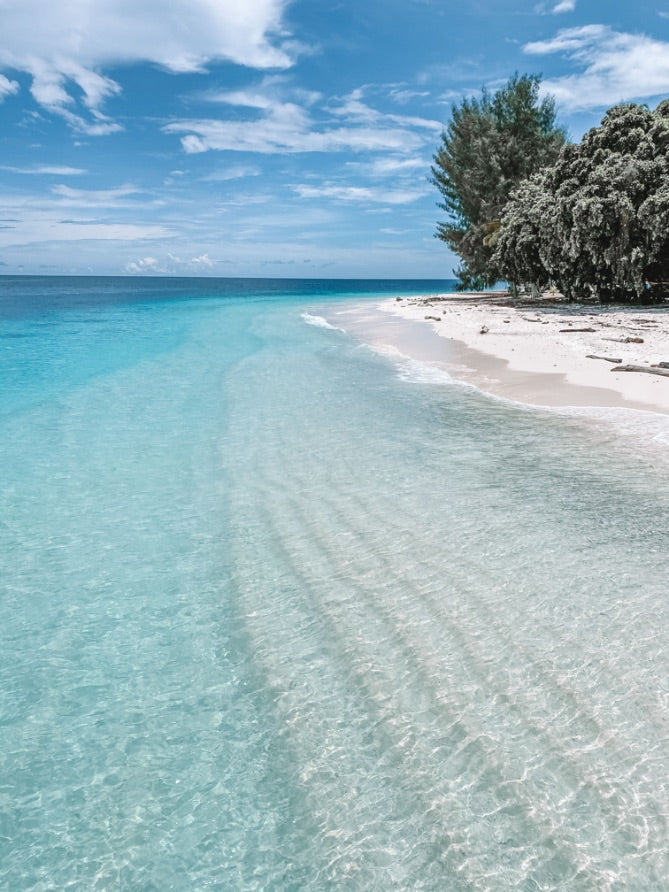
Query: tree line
<point x="527" y="207"/>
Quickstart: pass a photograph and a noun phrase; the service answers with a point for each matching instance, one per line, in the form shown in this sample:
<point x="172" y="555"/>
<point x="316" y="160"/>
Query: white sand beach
<point x="536" y="352"/>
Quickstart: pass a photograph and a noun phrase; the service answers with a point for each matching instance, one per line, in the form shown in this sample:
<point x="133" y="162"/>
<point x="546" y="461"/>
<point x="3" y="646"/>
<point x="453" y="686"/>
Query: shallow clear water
<point x="276" y="615"/>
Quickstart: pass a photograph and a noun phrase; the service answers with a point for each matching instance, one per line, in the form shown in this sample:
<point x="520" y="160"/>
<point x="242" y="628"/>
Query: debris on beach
<point x="605" y="358"/>
<point x="629" y="340"/>
<point x="648" y="369"/>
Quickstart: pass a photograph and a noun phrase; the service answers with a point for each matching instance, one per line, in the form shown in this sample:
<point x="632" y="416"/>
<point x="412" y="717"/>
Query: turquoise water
<point x="277" y="615"/>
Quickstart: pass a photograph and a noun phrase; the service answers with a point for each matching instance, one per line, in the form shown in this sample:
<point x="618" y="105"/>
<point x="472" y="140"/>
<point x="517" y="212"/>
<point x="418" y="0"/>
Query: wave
<point x="319" y="322"/>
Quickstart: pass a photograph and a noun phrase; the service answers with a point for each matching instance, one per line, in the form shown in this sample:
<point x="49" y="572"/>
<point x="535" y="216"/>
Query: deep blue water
<point x="277" y="614"/>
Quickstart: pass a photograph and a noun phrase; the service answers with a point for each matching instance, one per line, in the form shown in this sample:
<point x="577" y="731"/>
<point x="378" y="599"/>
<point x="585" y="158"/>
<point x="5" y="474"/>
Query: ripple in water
<point x="277" y="618"/>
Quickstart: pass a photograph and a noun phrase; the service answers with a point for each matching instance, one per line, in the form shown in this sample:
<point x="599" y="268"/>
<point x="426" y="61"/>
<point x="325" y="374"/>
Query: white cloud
<point x="7" y="87"/>
<point x="569" y="40"/>
<point x="281" y="125"/>
<point x="92" y="198"/>
<point x="363" y="194"/>
<point x="384" y="167"/>
<point x="561" y="6"/>
<point x="102" y="127"/>
<point x="40" y="227"/>
<point x="204" y="260"/>
<point x="145" y="265"/>
<point x="76" y="216"/>
<point x="354" y="109"/>
<point x="61" y="45"/>
<point x="61" y="197"/>
<point x="616" y="66"/>
<point x="45" y="169"/>
<point x="274" y="135"/>
<point x="232" y="172"/>
<point x="403" y="95"/>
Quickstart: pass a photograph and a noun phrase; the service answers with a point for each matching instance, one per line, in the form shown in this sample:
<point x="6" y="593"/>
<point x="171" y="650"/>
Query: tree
<point x="597" y="221"/>
<point x="599" y="188"/>
<point x="490" y="145"/>
<point x="517" y="254"/>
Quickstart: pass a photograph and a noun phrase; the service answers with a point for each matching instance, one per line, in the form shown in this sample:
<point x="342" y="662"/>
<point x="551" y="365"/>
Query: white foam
<point x="319" y="322"/>
<point x="413" y="370"/>
<point x="423" y="373"/>
<point x="631" y="427"/>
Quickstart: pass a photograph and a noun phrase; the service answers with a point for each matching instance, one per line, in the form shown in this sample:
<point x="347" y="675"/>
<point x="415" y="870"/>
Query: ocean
<point x="278" y="612"/>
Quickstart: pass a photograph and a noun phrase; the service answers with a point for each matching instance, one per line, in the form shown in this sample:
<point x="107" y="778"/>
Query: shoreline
<point x="533" y="352"/>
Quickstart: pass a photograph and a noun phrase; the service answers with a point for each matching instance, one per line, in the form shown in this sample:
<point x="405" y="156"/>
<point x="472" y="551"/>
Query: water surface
<point x="277" y="614"/>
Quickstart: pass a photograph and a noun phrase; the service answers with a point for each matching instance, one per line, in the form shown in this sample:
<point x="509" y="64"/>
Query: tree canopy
<point x="597" y="220"/>
<point x="490" y="146"/>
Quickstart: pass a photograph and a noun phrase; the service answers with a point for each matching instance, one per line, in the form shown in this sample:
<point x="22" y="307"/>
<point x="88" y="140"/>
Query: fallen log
<point x="641" y="368"/>
<point x="605" y="358"/>
<point x="569" y="330"/>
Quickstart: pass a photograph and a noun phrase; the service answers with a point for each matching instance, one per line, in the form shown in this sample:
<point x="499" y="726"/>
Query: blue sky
<point x="273" y="138"/>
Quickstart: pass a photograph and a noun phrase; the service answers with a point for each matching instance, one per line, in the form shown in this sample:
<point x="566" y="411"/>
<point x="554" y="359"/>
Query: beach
<point x="543" y="352"/>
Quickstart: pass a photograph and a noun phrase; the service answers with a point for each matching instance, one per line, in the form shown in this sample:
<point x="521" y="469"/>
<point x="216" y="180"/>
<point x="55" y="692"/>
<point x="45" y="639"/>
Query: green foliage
<point x="467" y="281"/>
<point x="597" y="221"/>
<point x="517" y="253"/>
<point x="490" y="145"/>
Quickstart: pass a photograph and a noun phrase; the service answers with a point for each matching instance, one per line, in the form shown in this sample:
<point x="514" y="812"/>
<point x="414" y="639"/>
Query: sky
<point x="269" y="137"/>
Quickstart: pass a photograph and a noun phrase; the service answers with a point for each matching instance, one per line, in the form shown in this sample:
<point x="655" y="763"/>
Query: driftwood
<point x="605" y="358"/>
<point x="434" y="318"/>
<point x="641" y="368"/>
<point x="625" y="340"/>
<point x="569" y="330"/>
<point x="660" y="365"/>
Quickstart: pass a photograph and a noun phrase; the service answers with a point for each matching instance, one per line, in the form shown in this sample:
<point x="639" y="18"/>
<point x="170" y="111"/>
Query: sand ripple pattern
<point x="277" y="615"/>
<point x="466" y="648"/>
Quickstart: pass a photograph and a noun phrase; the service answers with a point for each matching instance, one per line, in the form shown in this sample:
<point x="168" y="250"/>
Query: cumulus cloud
<point x="204" y="260"/>
<point x="145" y="265"/>
<point x="66" y="45"/>
<point x="615" y="66"/>
<point x="153" y="266"/>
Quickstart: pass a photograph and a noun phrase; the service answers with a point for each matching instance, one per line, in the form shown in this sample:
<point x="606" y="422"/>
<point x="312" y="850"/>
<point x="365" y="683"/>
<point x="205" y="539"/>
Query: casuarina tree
<point x="489" y="147"/>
